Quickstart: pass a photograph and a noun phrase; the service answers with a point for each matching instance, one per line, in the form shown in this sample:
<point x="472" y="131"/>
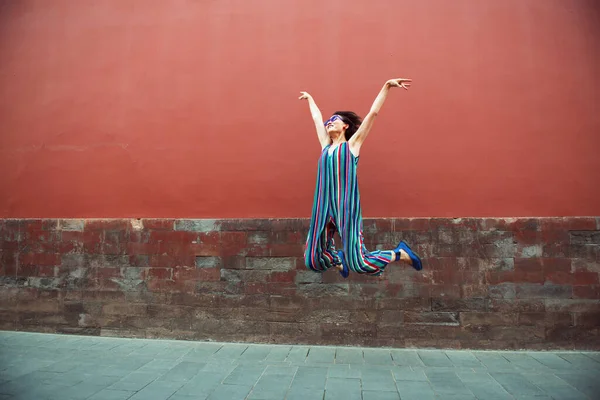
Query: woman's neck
<point x="338" y="140"/>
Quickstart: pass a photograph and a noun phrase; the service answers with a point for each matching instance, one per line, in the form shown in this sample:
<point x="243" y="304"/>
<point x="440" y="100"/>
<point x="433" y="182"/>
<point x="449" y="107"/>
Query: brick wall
<point x="487" y="283"/>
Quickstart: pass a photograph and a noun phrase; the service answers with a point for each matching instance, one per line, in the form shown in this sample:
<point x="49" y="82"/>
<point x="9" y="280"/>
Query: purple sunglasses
<point x="332" y="119"/>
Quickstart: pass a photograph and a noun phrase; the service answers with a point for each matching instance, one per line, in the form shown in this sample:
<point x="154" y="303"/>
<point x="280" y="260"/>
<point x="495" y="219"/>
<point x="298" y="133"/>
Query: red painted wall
<point x="189" y="108"/>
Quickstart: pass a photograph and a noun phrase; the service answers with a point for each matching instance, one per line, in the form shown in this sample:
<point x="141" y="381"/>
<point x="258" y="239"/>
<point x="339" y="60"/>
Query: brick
<point x="46" y="271"/>
<point x="322" y="290"/>
<point x="38" y="306"/>
<point x="495" y="264"/>
<point x="27" y="270"/>
<point x="447" y="291"/>
<point x="585" y="278"/>
<point x="285" y="250"/>
<point x="442" y="264"/>
<point x="555" y="243"/>
<point x="107" y="273"/>
<point x="281" y="316"/>
<point x="244" y="276"/>
<point x="351" y="334"/>
<point x="488" y="318"/>
<point x="568" y="223"/>
<point x="374" y="225"/>
<point x="583" y="336"/>
<point x="185" y="273"/>
<point x="139" y="236"/>
<point x="431" y="318"/>
<point x="278" y="288"/>
<point x="584" y="237"/>
<point x="590" y="252"/>
<point x="115" y="242"/>
<point x="31" y="225"/>
<point x="524" y="334"/>
<point x="529" y="270"/>
<point x="572" y="305"/>
<point x="34" y="259"/>
<point x="551" y="264"/>
<point x="517" y="305"/>
<point x="144" y="248"/>
<point x="463" y="304"/>
<point x="500" y="249"/>
<point x="408" y="303"/>
<point x="292" y="330"/>
<point x="502" y="291"/>
<point x="12" y="230"/>
<point x="255" y="224"/>
<point x="531" y="246"/>
<point x="586" y="292"/>
<point x="589" y="320"/>
<point x="521" y="224"/>
<point x="160" y="273"/>
<point x="97" y="261"/>
<point x="219" y="288"/>
<point x="171" y="261"/>
<point x="233" y="243"/>
<point x="196" y="225"/>
<point x="474" y="291"/>
<point x="92" y="241"/>
<point x="158" y="224"/>
<point x="139" y="260"/>
<point x="412" y="224"/>
<point x="271" y="263"/>
<point x="105" y="225"/>
<point x="288" y="276"/>
<point x="279" y="237"/>
<point x="208" y="262"/>
<point x="308" y="277"/>
<point x="234" y="262"/>
<point x="173" y="238"/>
<point x="528" y="237"/>
<point x="8" y="262"/>
<point x="547" y="319"/>
<point x="259" y="238"/>
<point x="557" y="270"/>
<point x="579" y="265"/>
<point x="46" y="320"/>
<point x="74" y="225"/>
<point x="446" y="277"/>
<point x="525" y="291"/>
<point x="257" y="251"/>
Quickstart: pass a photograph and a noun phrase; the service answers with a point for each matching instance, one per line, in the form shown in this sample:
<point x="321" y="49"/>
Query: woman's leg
<point x="362" y="261"/>
<point x="320" y="254"/>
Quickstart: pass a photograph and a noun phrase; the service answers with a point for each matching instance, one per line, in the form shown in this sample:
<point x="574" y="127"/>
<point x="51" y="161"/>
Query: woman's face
<point x="335" y="124"/>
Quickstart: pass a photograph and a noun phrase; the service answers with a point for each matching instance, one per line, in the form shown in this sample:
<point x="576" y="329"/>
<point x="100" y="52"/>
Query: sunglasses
<point x="333" y="119"/>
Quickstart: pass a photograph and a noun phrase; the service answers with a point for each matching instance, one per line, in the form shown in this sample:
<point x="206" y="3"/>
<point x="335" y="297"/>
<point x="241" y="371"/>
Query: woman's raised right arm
<point x="318" y="119"/>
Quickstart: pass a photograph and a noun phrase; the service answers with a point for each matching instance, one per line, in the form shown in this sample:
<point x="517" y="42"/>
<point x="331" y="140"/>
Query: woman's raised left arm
<point x="359" y="137"/>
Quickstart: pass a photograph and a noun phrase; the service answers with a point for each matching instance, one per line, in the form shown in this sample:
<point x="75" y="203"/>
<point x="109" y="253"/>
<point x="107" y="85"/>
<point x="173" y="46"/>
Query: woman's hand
<point x="304" y="95"/>
<point x="399" y="82"/>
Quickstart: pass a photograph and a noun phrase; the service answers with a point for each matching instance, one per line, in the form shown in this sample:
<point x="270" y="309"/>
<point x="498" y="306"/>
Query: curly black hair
<point x="352" y="120"/>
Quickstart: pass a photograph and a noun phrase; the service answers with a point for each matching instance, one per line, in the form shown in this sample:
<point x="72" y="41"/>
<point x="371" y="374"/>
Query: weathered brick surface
<point x="487" y="283"/>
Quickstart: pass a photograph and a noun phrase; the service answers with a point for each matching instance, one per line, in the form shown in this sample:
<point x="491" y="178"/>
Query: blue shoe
<point x="344" y="272"/>
<point x="414" y="257"/>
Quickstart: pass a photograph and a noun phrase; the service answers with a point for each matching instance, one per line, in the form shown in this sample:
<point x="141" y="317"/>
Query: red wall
<point x="189" y="108"/>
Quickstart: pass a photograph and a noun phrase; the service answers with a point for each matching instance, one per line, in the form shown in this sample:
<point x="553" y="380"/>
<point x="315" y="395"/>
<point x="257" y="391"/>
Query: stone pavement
<point x="43" y="366"/>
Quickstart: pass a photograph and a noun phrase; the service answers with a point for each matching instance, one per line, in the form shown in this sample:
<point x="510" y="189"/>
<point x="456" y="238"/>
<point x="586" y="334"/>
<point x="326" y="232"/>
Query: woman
<point x="337" y="202"/>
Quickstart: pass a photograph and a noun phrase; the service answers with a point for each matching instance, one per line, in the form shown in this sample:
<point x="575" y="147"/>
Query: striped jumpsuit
<point x="337" y="207"/>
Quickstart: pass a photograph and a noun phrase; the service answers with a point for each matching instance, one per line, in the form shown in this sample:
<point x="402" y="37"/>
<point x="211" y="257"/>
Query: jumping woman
<point x="336" y="204"/>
